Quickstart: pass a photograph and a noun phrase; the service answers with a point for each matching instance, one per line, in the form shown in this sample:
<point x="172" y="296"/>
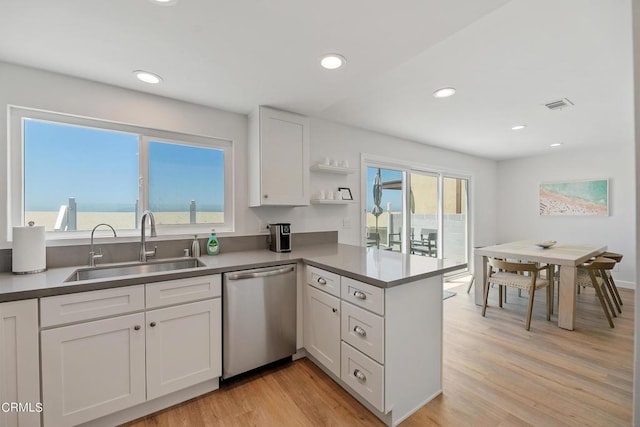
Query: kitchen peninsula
<point x="382" y="312"/>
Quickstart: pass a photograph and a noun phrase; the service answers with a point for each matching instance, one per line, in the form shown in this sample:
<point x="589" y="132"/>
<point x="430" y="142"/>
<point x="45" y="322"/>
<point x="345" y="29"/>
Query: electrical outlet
<point x="262" y="226"/>
<point x="346" y="223"/>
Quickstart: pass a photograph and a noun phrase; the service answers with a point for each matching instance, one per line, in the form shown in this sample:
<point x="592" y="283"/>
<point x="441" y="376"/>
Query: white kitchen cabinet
<point x="92" y="369"/>
<point x="389" y="360"/>
<point x="183" y="346"/>
<point x="105" y="365"/>
<point x="322" y="328"/>
<point x="278" y="158"/>
<point x="19" y="364"/>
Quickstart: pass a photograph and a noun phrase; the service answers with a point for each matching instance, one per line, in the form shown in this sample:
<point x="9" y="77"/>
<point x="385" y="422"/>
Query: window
<point x="70" y="174"/>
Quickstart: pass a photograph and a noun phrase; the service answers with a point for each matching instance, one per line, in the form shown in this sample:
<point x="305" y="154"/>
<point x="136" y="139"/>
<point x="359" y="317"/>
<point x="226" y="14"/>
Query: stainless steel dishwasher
<point x="258" y="318"/>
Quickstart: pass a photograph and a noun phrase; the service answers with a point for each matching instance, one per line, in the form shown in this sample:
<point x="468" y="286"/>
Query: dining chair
<point x="508" y="274"/>
<point x="593" y="274"/>
<point x="613" y="288"/>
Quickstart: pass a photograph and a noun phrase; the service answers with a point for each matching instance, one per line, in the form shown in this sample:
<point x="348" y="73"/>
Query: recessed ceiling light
<point x="556" y="144"/>
<point x="164" y="2"/>
<point x="148" y="77"/>
<point x="518" y="127"/>
<point x="331" y="61"/>
<point x="444" y="92"/>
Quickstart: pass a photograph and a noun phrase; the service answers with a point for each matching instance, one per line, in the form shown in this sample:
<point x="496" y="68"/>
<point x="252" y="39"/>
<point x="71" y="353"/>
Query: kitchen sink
<point x="105" y="272"/>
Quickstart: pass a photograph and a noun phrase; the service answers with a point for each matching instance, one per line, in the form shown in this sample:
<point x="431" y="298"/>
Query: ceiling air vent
<point x="559" y="104"/>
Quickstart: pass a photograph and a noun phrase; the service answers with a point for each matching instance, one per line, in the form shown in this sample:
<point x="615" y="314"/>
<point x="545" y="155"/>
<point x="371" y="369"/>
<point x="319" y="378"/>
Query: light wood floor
<point x="495" y="373"/>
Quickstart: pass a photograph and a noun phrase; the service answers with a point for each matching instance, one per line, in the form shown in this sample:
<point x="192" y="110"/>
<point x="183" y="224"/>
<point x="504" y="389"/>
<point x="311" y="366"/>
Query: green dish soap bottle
<point x="213" y="247"/>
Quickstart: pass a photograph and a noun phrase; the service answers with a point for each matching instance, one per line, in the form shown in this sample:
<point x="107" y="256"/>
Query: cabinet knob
<point x="152" y="324"/>
<point x="266" y="196"/>
<point x="335" y="310"/>
<point x="359" y="375"/>
<point x="360" y="331"/>
<point x="137" y="327"/>
<point x="321" y="281"/>
<point x="360" y="295"/>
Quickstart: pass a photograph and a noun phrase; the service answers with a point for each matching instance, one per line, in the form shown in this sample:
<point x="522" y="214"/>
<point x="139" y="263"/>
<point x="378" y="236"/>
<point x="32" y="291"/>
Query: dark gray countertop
<point x="376" y="267"/>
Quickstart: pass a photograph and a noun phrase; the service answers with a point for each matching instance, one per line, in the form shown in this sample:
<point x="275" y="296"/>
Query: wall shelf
<point x="333" y="169"/>
<point x="331" y="202"/>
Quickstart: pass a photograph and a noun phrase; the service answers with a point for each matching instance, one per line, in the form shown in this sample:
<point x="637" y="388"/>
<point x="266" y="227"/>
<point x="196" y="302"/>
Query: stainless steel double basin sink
<point x="106" y="272"/>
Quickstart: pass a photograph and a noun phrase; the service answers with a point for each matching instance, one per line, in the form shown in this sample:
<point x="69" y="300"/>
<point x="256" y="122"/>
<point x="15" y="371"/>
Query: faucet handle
<point x="152" y="253"/>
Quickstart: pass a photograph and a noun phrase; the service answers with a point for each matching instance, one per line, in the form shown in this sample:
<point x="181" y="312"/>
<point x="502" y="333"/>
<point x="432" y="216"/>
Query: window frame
<point x="15" y="170"/>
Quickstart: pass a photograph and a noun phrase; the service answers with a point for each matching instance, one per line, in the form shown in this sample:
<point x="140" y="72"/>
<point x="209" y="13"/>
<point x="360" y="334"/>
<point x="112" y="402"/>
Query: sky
<point x="393" y="196"/>
<point x="100" y="169"/>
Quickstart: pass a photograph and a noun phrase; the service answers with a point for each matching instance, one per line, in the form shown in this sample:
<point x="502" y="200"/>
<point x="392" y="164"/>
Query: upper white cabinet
<point x="19" y="364"/>
<point x="278" y="158"/>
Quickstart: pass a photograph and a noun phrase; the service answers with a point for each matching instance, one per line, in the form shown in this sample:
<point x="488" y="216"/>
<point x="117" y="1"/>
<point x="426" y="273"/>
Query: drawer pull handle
<point x="322" y="281"/>
<point x="360" y="295"/>
<point x="137" y="327"/>
<point x="358" y="330"/>
<point x="359" y="375"/>
<point x="335" y="310"/>
<point x="152" y="324"/>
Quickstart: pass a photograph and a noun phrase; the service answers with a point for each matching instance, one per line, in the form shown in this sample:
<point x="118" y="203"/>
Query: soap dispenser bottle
<point x="195" y="247"/>
<point x="213" y="248"/>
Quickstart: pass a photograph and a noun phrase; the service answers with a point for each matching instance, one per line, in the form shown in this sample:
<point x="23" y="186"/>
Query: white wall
<point x="32" y="88"/>
<point x="329" y="139"/>
<point x="518" y="189"/>
<point x="27" y="87"/>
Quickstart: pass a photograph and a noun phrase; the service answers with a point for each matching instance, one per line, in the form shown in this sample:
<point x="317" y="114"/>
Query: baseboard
<point x="625" y="284"/>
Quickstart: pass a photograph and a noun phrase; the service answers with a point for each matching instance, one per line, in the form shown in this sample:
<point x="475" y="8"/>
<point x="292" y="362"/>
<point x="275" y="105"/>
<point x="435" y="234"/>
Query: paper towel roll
<point x="29" y="254"/>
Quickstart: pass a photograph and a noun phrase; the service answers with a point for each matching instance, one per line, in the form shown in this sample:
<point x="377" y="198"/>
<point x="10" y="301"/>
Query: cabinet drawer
<point x="324" y="280"/>
<point x="179" y="291"/>
<point x="363" y="330"/>
<point x="364" y="295"/>
<point x="363" y="375"/>
<point x="90" y="305"/>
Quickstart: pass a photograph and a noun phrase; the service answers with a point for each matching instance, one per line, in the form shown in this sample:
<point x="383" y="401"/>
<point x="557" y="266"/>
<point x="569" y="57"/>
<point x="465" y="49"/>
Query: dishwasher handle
<point x="256" y="274"/>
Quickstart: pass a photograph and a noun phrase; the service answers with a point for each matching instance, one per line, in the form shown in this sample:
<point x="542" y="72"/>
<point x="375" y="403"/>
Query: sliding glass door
<point x="385" y="208"/>
<point x="417" y="211"/>
<point x="424" y="207"/>
<point x="455" y="218"/>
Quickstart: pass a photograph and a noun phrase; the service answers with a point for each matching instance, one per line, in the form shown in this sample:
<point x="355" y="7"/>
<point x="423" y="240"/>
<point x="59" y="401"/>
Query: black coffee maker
<point x="280" y="237"/>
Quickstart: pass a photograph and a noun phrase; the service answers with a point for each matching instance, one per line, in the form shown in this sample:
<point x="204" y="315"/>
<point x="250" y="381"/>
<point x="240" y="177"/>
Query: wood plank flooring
<point x="495" y="373"/>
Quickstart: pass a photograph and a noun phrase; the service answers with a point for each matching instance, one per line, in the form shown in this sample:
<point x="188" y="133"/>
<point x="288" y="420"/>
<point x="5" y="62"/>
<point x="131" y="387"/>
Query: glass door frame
<point x="376" y="161"/>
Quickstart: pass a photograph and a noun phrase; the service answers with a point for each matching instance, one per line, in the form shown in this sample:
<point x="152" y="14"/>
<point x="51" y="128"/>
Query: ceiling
<point x="505" y="58"/>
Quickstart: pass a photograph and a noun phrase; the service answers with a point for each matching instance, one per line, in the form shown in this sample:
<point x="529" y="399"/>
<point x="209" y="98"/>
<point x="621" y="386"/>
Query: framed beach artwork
<point x="588" y="197"/>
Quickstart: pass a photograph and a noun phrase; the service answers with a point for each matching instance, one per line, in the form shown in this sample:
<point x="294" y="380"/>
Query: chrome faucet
<point x="92" y="255"/>
<point x="144" y="253"/>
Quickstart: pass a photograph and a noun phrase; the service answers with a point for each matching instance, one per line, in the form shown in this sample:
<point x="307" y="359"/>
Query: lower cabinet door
<point x="184" y="346"/>
<point x="322" y="328"/>
<point x="19" y="363"/>
<point x="92" y="369"/>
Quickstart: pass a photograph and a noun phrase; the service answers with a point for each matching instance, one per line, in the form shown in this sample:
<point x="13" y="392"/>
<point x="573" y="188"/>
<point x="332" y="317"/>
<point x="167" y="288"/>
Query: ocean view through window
<point x="77" y="173"/>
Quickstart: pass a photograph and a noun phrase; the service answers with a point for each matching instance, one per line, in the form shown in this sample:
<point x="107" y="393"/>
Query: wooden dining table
<point x="567" y="256"/>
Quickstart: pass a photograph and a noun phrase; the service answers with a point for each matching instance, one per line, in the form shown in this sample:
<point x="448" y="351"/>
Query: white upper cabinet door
<point x="19" y="363"/>
<point x="92" y="369"/>
<point x="184" y="346"/>
<point x="278" y="158"/>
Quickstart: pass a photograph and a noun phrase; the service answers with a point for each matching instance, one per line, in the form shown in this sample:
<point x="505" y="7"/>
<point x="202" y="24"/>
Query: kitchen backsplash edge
<point x="67" y="256"/>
